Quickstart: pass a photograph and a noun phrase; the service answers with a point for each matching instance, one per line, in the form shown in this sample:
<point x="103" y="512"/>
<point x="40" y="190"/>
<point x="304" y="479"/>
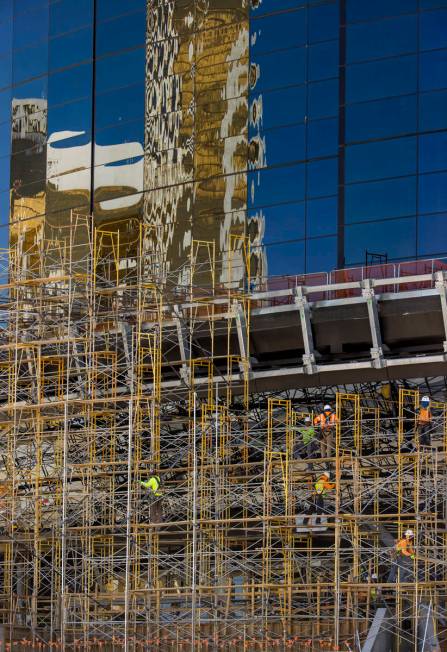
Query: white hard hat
<point x="409" y="533"/>
<point x="327" y="474"/>
<point x="425" y="399"/>
<point x="374" y="576"/>
<point x="327" y="407"/>
<point x="307" y="419"/>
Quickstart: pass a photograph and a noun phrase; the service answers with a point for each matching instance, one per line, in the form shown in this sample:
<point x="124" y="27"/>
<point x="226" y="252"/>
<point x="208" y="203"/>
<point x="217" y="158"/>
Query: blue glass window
<point x="278" y="31"/>
<point x="323" y="99"/>
<point x="71" y="48"/>
<point x="323" y="61"/>
<point x="285" y="145"/>
<point x="433" y="111"/>
<point x="284" y="222"/>
<point x="30" y="27"/>
<point x="30" y="62"/>
<point x="433" y="29"/>
<point x="283" y="107"/>
<point x="376" y="79"/>
<point x="432" y="4"/>
<point x="433" y="70"/>
<point x="433" y="152"/>
<point x="359" y="10"/>
<point x="396" y="238"/>
<point x="285" y="259"/>
<point x="75" y="116"/>
<point x="67" y="15"/>
<point x="382" y="39"/>
<point x="432" y="234"/>
<point x="276" y="185"/>
<point x="322" y="177"/>
<point x="433" y="192"/>
<point x="5" y="142"/>
<point x="322" y="216"/>
<point x="5" y="71"/>
<point x="120" y="70"/>
<point x="4" y="217"/>
<point x="120" y="33"/>
<point x="321" y="255"/>
<point x="391" y="158"/>
<point x="5" y="105"/>
<point x="5" y="32"/>
<point x="120" y="105"/>
<point x="323" y="22"/>
<point x="109" y="8"/>
<point x="269" y="6"/>
<point x="322" y="138"/>
<point x="70" y="84"/>
<point x="281" y="69"/>
<point x="380" y="199"/>
<point x="382" y="118"/>
<point x="36" y="88"/>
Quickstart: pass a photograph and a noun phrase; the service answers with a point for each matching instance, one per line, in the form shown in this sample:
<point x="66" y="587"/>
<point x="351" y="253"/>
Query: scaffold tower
<point x="112" y="373"/>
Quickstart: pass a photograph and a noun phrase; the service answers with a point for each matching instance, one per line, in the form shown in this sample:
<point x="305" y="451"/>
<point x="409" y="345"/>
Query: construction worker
<point x="327" y="422"/>
<point x="423" y="422"/>
<point x="404" y="556"/>
<point x="305" y="442"/>
<point x="321" y="487"/>
<point x="153" y="483"/>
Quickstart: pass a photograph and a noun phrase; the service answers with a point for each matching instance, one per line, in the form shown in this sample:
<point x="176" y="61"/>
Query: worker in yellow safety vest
<point x="321" y="487"/>
<point x="153" y="483"/>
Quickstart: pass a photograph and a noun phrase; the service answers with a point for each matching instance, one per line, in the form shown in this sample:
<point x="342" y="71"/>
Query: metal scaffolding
<point x="94" y="339"/>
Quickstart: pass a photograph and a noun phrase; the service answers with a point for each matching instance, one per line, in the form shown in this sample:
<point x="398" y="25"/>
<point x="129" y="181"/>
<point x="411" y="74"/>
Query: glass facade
<point x="317" y="128"/>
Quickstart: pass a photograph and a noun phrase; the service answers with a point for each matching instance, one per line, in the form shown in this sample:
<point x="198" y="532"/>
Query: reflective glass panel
<point x="30" y="27"/>
<point x="280" y="69"/>
<point x="276" y="185"/>
<point x="120" y="106"/>
<point x="5" y="31"/>
<point x="67" y="15"/>
<point x="433" y="29"/>
<point x="323" y="99"/>
<point x="286" y="258"/>
<point x="381" y="199"/>
<point x="5" y="70"/>
<point x="70" y="84"/>
<point x="396" y="238"/>
<point x="432" y="235"/>
<point x="433" y="192"/>
<point x="433" y="152"/>
<point x="323" y="22"/>
<point x="30" y="62"/>
<point x="392" y="158"/>
<point x="322" y="216"/>
<point x="278" y="31"/>
<point x="323" y="61"/>
<point x="321" y="254"/>
<point x="322" y="178"/>
<point x="382" y="39"/>
<point x="359" y="10"/>
<point x="127" y="31"/>
<point x="376" y="79"/>
<point x="284" y="222"/>
<point x="71" y="48"/>
<point x="285" y="145"/>
<point x="433" y="70"/>
<point x="121" y="70"/>
<point x="322" y="138"/>
<point x="381" y="118"/>
<point x="109" y="8"/>
<point x="280" y="107"/>
<point x="5" y="105"/>
<point x="433" y="111"/>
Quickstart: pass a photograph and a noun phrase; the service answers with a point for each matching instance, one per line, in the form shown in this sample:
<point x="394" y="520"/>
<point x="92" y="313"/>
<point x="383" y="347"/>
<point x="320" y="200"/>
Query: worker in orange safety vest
<point x="326" y="422"/>
<point x="404" y="556"/>
<point x="424" y="422"/>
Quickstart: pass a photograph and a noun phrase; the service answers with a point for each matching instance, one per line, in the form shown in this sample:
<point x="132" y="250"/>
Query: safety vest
<point x="153" y="483"/>
<point x="424" y="415"/>
<point x="307" y="433"/>
<point x="325" y="420"/>
<point x="405" y="547"/>
<point x="321" y="486"/>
